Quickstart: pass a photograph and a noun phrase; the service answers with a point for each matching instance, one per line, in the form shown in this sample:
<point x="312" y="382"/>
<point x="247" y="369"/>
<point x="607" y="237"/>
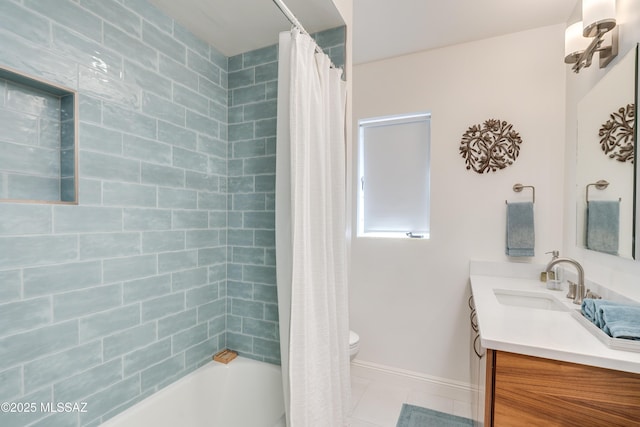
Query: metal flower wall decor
<point x="491" y="146"/>
<point x="616" y="135"/>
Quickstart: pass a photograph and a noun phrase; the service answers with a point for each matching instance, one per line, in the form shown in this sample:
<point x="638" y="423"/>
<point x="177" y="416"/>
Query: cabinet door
<point x="531" y="391"/>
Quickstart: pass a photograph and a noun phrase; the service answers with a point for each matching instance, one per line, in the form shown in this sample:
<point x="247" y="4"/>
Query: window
<point x="393" y="172"/>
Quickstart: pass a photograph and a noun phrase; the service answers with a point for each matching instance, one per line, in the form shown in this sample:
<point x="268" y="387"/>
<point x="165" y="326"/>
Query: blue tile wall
<point x="252" y="310"/>
<point x="170" y="255"/>
<point x="110" y="300"/>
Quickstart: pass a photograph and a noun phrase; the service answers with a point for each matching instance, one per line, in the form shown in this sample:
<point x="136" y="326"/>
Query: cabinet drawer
<point x="533" y="391"/>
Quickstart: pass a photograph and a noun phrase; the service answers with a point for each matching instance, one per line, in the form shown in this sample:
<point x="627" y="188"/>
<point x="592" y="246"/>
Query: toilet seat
<point x="354" y="344"/>
<point x="354" y="339"/>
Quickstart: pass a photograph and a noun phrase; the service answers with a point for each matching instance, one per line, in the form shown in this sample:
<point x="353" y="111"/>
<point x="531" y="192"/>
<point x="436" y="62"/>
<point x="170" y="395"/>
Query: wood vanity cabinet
<point x="531" y="391"/>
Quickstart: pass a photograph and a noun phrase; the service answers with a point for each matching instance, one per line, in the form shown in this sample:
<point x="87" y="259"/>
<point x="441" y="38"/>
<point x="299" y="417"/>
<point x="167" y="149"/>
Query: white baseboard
<point x="452" y="389"/>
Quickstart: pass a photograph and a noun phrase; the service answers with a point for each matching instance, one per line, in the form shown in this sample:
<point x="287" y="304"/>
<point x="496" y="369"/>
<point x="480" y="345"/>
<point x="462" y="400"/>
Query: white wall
<point x="409" y="297"/>
<point x="619" y="274"/>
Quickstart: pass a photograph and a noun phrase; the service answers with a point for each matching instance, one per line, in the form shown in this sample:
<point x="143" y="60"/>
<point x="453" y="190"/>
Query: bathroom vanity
<point x="527" y="390"/>
<point x="543" y="367"/>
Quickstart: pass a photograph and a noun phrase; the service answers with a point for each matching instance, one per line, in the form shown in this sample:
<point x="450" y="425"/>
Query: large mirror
<point x="606" y="162"/>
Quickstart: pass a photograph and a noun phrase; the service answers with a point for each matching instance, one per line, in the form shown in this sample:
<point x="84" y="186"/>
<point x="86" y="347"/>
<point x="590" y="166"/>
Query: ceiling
<point x="387" y="28"/>
<point x="238" y="26"/>
<point x="381" y="28"/>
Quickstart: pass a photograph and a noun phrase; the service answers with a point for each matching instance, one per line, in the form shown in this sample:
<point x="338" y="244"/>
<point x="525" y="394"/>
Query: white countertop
<point x="537" y="332"/>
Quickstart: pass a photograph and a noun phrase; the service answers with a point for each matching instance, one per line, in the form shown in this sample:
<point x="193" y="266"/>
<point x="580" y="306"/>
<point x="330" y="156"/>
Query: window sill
<point x="393" y="235"/>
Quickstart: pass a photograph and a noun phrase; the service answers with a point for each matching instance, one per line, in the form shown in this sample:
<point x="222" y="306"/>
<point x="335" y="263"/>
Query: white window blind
<point x="394" y="176"/>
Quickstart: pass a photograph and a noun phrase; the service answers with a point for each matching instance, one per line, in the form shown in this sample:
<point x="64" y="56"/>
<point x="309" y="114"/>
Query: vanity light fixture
<point x="596" y="33"/>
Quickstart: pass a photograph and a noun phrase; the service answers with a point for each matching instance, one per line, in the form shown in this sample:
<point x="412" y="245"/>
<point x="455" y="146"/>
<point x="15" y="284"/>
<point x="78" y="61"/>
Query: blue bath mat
<point x="416" y="416"/>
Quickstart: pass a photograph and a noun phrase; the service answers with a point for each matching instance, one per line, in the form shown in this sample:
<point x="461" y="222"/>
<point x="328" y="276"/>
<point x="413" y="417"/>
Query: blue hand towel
<point x="603" y="226"/>
<point x="591" y="310"/>
<point x="617" y="320"/>
<point x="520" y="231"/>
<point x="622" y="322"/>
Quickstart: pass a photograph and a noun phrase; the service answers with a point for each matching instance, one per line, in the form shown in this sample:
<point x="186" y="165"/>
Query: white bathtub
<point x="244" y="393"/>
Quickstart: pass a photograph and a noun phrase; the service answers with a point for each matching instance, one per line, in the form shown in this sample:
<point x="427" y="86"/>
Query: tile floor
<point x="377" y="403"/>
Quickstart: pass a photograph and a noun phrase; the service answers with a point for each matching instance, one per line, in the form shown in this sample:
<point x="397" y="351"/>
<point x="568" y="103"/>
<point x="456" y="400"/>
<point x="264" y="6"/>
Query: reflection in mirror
<point x="605" y="162"/>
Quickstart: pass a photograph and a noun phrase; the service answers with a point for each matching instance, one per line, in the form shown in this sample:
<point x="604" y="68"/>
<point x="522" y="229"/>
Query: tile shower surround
<point x="169" y="256"/>
<point x="252" y="310"/>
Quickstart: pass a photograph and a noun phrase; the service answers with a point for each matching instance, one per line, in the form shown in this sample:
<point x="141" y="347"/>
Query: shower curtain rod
<point x="294" y="21"/>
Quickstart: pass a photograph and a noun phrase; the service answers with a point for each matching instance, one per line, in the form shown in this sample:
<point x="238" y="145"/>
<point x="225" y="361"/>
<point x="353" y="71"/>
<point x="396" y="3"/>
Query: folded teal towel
<point x="520" y="230"/>
<point x="622" y="322"/>
<point x="618" y="320"/>
<point x="603" y="226"/>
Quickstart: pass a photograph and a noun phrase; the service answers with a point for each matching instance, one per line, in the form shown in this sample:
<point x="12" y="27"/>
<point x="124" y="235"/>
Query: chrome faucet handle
<point x="573" y="287"/>
<point x="592" y="295"/>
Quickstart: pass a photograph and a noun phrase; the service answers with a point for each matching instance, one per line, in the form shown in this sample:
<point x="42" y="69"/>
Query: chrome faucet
<point x="580" y="288"/>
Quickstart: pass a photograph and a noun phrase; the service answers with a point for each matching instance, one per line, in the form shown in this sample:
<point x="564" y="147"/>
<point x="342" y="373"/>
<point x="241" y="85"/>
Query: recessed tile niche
<point x="38" y="140"/>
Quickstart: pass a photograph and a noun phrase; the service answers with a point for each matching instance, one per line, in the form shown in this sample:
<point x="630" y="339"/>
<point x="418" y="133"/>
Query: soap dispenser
<point x="554" y="280"/>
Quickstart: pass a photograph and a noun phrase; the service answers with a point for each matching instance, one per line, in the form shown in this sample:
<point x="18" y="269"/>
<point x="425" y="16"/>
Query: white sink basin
<point x="528" y="299"/>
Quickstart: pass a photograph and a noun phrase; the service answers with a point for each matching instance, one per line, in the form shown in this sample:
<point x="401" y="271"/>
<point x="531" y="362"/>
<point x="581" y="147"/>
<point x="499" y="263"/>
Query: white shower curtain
<point x="311" y="235"/>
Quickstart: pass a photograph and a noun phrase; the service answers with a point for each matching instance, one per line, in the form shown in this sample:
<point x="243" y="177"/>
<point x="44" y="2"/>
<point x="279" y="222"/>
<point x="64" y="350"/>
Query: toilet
<point x="354" y="344"/>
